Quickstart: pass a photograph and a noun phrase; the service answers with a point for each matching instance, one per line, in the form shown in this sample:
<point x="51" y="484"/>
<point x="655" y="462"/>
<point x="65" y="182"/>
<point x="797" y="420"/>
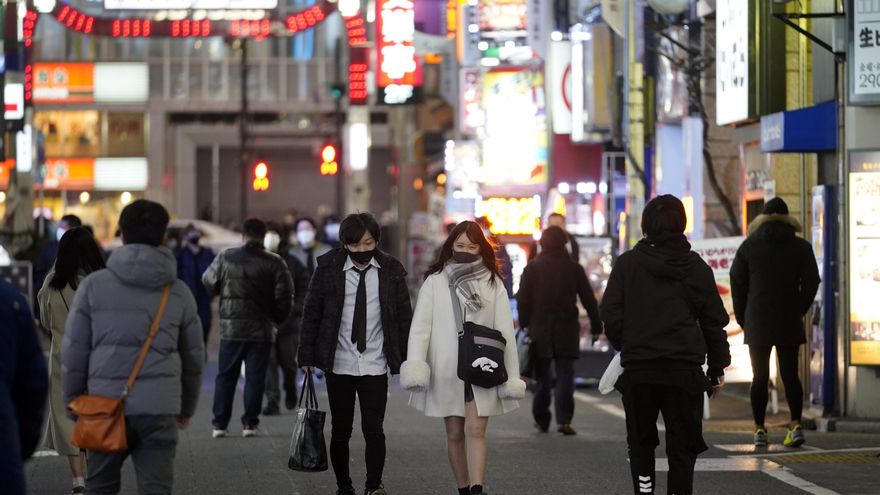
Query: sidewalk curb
<point x="848" y="425"/>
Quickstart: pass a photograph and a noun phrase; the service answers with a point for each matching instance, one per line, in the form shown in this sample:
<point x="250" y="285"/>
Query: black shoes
<point x="271" y="409"/>
<point x="346" y="491"/>
<point x="566" y="430"/>
<point x="542" y="428"/>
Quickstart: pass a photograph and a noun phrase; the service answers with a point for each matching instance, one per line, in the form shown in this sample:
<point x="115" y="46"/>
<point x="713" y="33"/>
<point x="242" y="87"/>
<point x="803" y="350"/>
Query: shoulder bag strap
<point x="456" y="309"/>
<point x="154" y="329"/>
<point x="61" y="293"/>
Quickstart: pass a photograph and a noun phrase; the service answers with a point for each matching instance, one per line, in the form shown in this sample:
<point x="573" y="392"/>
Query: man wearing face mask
<point x="287" y="338"/>
<point x="193" y="261"/>
<point x="355" y="328"/>
<point x="304" y="244"/>
<point x="48" y="253"/>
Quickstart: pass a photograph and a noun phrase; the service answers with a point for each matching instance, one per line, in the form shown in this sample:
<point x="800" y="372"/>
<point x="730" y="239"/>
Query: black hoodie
<point x="662" y="309"/>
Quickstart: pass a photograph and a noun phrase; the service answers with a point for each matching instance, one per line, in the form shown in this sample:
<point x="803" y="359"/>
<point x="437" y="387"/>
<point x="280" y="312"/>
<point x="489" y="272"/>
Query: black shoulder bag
<point x="480" y="350"/>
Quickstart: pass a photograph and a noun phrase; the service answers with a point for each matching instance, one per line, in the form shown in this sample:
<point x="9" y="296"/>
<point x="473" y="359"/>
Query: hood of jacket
<point x="774" y="228"/>
<point x="666" y="258"/>
<point x="141" y="265"/>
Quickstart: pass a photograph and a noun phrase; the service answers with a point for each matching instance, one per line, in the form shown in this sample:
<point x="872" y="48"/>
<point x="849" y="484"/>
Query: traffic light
<point x="329" y="166"/>
<point x="261" y="176"/>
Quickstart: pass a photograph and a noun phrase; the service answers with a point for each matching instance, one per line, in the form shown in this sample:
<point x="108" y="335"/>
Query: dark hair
<point x="77" y="253"/>
<point x="143" y="222"/>
<point x="556" y="214"/>
<point x="553" y="239"/>
<point x="354" y="226"/>
<point x="72" y="221"/>
<point x="475" y="233"/>
<point x="254" y="228"/>
<point x="664" y="215"/>
<point x="305" y="219"/>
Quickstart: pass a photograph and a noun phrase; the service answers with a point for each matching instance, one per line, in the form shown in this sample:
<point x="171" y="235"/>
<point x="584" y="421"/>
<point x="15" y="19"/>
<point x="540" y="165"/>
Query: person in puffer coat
<point x="256" y="296"/>
<point x="109" y="321"/>
<point x="662" y="311"/>
<point x="773" y="281"/>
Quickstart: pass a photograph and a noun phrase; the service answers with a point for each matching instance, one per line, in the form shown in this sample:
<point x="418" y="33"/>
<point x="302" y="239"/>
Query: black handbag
<point x="308" y="450"/>
<point x="480" y="350"/>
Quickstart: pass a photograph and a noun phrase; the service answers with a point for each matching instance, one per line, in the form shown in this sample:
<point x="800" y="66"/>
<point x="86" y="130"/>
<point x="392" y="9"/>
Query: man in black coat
<point x="571" y="244"/>
<point x="355" y="328"/>
<point x="256" y="294"/>
<point x="773" y="281"/>
<point x="547" y="302"/>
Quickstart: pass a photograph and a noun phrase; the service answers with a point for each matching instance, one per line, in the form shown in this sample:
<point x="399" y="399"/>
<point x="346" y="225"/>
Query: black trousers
<point x="788" y="369"/>
<point x="563" y="391"/>
<point x="283" y="354"/>
<point x="372" y="395"/>
<point x="683" y="415"/>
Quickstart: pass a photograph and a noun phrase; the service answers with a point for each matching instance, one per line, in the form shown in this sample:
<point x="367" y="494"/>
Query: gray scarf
<point x="463" y="277"/>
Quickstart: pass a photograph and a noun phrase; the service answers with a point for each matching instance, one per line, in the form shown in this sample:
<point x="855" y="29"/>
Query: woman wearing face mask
<point x="304" y="244"/>
<point x="468" y="265"/>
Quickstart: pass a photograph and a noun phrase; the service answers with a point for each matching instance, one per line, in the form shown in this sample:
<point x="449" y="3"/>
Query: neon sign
<point x="398" y="70"/>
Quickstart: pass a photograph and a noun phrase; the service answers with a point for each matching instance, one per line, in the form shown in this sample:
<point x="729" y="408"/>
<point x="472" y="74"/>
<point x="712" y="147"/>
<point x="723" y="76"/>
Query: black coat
<point x="300" y="275"/>
<point x="547" y="305"/>
<point x="662" y="310"/>
<point x="256" y="292"/>
<point x="326" y="299"/>
<point x="773" y="281"/>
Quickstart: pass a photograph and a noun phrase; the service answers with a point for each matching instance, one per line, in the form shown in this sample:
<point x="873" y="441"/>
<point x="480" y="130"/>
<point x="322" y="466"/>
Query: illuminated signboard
<point x="512" y="216"/>
<point x="398" y="69"/>
<point x="864" y="257"/>
<point x="732" y="54"/>
<point x="64" y="82"/>
<point x="358" y="65"/>
<point x="503" y="18"/>
<point x="188" y="4"/>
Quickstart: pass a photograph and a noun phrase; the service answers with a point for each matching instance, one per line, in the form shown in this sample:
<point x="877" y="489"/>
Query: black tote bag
<point x="308" y="450"/>
<point x="480" y="350"/>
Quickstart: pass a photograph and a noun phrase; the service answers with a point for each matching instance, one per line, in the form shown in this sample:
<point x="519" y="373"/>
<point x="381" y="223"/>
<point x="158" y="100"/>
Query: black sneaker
<point x="346" y="491"/>
<point x="542" y="428"/>
<point x="271" y="409"/>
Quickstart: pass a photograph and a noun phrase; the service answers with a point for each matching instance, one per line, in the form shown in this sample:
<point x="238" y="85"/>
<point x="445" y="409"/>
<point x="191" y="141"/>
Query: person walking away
<point x="193" y="261"/>
<point x="468" y="264"/>
<point x="500" y="254"/>
<point x="355" y="328"/>
<point x="773" y="281"/>
<point x="109" y="320"/>
<point x="304" y="244"/>
<point x="48" y="252"/>
<point x="283" y="353"/>
<point x="662" y="311"/>
<point x="78" y="256"/>
<point x="571" y="246"/>
<point x="24" y="384"/>
<point x="547" y="302"/>
<point x="256" y="294"/>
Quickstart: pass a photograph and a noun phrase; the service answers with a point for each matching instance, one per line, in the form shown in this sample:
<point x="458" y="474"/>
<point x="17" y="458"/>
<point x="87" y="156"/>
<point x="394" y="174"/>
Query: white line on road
<point x="787" y="477"/>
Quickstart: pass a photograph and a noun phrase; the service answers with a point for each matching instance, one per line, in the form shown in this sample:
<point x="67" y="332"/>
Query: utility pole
<point x="339" y="121"/>
<point x="243" y="131"/>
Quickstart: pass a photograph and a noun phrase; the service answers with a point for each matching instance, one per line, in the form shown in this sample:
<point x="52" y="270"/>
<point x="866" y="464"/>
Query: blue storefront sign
<point x="807" y="130"/>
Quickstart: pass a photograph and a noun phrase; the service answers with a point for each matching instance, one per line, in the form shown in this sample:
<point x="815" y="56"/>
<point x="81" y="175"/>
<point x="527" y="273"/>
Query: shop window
<point x="125" y="132"/>
<point x="753" y="209"/>
<point x="70" y="133"/>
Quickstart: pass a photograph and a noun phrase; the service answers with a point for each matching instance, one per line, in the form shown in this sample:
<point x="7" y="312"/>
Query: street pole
<point x="339" y="121"/>
<point x="243" y="131"/>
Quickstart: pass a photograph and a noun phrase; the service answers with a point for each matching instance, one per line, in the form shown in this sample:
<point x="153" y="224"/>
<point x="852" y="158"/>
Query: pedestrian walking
<point x="467" y="264"/>
<point x="773" y="281"/>
<point x="304" y="244"/>
<point x="78" y="256"/>
<point x="49" y="250"/>
<point x="571" y="246"/>
<point x="108" y="323"/>
<point x="506" y="264"/>
<point x="193" y="261"/>
<point x="355" y="328"/>
<point x="547" y="302"/>
<point x="284" y="350"/>
<point x="256" y="294"/>
<point x="663" y="313"/>
<point x="23" y="386"/>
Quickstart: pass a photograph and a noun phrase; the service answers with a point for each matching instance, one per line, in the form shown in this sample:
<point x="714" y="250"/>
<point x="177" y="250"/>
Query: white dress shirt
<point x="348" y="361"/>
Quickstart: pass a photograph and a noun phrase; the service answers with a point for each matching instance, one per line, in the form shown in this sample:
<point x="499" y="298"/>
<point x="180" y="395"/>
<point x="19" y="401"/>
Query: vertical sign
<point x="732" y="61"/>
<point x="395" y="24"/>
<point x="864" y="251"/>
<point x="357" y="75"/>
<point x="864" y="56"/>
<point x="471" y="114"/>
<point x="538" y="26"/>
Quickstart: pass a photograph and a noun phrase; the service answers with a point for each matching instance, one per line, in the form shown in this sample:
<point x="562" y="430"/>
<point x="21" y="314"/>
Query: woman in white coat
<point x="467" y="265"/>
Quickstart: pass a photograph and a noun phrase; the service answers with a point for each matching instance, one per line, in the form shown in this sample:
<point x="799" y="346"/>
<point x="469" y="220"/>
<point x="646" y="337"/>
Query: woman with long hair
<point x="78" y="256"/>
<point x="467" y="266"/>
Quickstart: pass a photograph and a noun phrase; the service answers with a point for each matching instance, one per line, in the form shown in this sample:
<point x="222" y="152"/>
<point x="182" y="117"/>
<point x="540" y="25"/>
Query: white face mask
<point x="272" y="241"/>
<point x="305" y="237"/>
<point x="332" y="231"/>
<point x="59" y="232"/>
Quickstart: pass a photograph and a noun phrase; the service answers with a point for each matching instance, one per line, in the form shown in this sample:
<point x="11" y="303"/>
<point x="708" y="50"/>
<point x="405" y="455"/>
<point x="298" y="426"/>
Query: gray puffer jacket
<point x="108" y="323"/>
<point x="256" y="292"/>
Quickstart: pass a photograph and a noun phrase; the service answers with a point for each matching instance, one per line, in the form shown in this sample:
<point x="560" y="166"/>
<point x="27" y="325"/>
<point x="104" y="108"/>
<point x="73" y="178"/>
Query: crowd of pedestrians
<point x="288" y="300"/>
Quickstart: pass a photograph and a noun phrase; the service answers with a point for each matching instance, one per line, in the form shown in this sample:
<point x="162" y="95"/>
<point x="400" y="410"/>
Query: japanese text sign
<point x="398" y="69"/>
<point x="864" y="58"/>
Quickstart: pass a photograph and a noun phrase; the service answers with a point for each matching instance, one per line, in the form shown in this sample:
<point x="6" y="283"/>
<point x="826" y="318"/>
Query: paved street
<point x="521" y="461"/>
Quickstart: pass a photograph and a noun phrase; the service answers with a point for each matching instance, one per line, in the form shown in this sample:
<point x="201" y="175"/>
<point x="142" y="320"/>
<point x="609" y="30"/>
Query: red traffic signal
<point x="261" y="176"/>
<point x="329" y="166"/>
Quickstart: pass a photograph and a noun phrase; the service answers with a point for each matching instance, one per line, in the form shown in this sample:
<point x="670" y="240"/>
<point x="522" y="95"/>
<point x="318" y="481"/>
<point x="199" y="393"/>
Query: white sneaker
<point x="219" y="433"/>
<point x="249" y="431"/>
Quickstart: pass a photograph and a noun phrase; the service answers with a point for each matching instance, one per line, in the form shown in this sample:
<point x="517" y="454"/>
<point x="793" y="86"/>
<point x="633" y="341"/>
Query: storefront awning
<point x="808" y="130"/>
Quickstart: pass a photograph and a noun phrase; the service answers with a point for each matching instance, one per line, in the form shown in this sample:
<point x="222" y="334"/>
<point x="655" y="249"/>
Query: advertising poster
<point x="503" y="19"/>
<point x="864" y="245"/>
<point x="64" y="82"/>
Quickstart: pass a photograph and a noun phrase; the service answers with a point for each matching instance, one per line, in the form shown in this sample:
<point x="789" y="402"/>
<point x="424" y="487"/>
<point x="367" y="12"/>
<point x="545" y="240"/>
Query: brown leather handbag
<point x="100" y="423"/>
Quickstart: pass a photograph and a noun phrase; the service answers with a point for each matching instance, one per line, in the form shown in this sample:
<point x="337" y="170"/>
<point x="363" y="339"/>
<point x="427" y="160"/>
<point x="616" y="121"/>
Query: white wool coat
<point x="430" y="370"/>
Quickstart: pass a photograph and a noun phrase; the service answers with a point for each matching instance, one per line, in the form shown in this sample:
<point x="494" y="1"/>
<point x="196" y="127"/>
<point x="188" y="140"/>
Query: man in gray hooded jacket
<point x="108" y="323"/>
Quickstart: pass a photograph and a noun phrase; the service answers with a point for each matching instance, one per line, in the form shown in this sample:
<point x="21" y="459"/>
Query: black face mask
<point x="362" y="257"/>
<point x="463" y="257"/>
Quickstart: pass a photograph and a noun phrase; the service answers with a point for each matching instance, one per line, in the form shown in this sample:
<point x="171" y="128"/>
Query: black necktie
<point x="359" y="325"/>
<point x="310" y="265"/>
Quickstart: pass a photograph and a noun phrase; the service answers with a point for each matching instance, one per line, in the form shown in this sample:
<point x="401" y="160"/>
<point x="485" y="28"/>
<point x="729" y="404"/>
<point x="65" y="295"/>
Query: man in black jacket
<point x="547" y="302"/>
<point x="355" y="328"/>
<point x="773" y="281"/>
<point x="256" y="292"/>
<point x="663" y="313"/>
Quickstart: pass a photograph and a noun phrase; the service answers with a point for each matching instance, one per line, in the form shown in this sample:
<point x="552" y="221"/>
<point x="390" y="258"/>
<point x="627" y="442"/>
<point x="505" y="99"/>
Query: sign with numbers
<point x="864" y="52"/>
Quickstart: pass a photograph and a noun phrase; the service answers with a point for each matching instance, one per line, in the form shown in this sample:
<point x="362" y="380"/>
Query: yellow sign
<point x="512" y="216"/>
